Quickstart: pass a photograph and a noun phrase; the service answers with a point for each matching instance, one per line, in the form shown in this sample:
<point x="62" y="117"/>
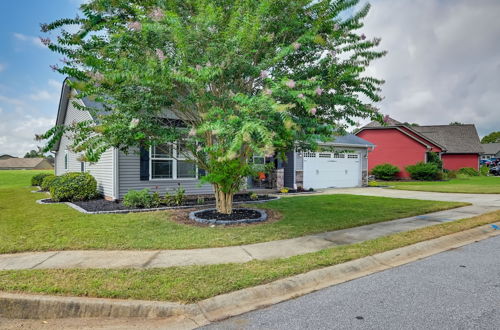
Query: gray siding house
<point x="340" y="163"/>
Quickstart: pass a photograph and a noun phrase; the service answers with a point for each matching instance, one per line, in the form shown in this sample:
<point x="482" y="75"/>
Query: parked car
<point x="495" y="170"/>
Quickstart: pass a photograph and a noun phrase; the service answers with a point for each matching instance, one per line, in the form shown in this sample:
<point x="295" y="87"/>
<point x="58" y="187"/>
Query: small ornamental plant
<point x="253" y="196"/>
<point x="284" y="190"/>
<point x="243" y="78"/>
<point x="385" y="172"/>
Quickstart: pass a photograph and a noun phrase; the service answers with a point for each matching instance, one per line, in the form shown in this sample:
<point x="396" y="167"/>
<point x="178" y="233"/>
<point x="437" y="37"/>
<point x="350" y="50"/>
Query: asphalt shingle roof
<point x="20" y="162"/>
<point x="351" y="139"/>
<point x="455" y="138"/>
<point x="491" y="148"/>
<point x="460" y="139"/>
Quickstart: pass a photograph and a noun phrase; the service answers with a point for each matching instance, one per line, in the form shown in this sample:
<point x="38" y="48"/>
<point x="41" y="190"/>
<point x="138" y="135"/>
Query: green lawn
<point x="194" y="283"/>
<point x="472" y="185"/>
<point x="27" y="226"/>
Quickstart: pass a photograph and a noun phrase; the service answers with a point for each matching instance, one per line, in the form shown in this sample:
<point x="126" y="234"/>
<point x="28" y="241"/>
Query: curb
<point x="29" y="306"/>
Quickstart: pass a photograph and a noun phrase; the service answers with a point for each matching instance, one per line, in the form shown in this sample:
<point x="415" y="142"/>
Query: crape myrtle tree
<point x="242" y="77"/>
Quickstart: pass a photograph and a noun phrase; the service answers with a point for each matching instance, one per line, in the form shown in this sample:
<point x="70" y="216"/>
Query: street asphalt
<point x="458" y="289"/>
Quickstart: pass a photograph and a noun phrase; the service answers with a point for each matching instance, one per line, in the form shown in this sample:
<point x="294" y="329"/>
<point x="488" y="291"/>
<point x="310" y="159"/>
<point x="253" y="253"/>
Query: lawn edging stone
<point x="82" y="210"/>
<point x="194" y="216"/>
<point x="30" y="306"/>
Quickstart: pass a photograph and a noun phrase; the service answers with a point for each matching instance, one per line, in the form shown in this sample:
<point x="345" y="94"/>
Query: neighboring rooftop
<point x="5" y="156"/>
<point x="458" y="139"/>
<point x="25" y="163"/>
<point x="491" y="148"/>
<point x="388" y="122"/>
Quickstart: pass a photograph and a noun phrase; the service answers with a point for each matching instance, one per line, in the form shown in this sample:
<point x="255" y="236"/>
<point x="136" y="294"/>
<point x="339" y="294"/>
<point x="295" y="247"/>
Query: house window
<point x="65" y="159"/>
<point x="171" y="161"/>
<point x="259" y="160"/>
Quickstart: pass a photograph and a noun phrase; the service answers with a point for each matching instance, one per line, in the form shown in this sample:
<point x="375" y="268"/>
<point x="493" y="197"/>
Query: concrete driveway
<point x="476" y="199"/>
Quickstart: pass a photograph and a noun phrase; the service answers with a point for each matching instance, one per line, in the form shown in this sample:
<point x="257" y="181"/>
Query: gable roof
<point x="64" y="101"/>
<point x="21" y="162"/>
<point x="454" y="139"/>
<point x="457" y="139"/>
<point x="6" y="156"/>
<point x="351" y="140"/>
<point x="415" y="135"/>
<point x="388" y="122"/>
<point x="491" y="148"/>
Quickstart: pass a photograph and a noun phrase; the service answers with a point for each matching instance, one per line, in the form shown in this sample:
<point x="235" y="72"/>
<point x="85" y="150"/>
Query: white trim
<point x="116" y="188"/>
<point x="174" y="160"/>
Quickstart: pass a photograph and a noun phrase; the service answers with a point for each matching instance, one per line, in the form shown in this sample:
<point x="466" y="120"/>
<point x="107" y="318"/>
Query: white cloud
<point x="34" y="40"/>
<point x="41" y="96"/>
<point x="18" y="132"/>
<point x="443" y="62"/>
<point x="11" y="100"/>
<point x="55" y="84"/>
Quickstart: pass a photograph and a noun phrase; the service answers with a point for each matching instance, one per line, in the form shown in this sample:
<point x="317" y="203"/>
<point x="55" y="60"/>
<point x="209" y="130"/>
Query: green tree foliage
<point x="493" y="137"/>
<point x="456" y="123"/>
<point x="243" y="77"/>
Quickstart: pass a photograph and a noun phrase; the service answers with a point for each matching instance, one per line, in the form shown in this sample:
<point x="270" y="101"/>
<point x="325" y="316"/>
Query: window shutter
<point x="201" y="173"/>
<point x="144" y="164"/>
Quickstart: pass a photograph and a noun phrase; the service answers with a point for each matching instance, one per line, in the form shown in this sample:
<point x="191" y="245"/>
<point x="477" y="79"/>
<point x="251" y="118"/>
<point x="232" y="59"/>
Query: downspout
<point x="116" y="186"/>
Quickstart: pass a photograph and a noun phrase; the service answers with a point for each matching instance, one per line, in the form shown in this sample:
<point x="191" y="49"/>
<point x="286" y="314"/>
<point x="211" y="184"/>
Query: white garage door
<point x="326" y="170"/>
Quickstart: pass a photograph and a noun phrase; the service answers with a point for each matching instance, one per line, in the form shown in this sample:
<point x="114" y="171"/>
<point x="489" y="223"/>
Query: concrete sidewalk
<point x="233" y="254"/>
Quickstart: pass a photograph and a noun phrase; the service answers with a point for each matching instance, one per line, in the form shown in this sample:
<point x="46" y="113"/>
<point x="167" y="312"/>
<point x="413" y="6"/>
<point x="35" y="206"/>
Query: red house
<point x="402" y="145"/>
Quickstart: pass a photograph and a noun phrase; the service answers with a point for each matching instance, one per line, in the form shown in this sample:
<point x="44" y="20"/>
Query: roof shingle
<point x="457" y="139"/>
<point x="491" y="148"/>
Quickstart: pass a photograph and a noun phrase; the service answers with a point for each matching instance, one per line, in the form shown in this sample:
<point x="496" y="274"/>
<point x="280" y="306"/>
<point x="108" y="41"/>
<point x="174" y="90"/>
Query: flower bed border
<point x="193" y="216"/>
<point x="80" y="209"/>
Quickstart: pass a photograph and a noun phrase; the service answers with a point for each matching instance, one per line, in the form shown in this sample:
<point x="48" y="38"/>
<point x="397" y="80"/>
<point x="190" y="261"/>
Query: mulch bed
<point x="182" y="216"/>
<point x="238" y="214"/>
<point x="297" y="191"/>
<point x="100" y="205"/>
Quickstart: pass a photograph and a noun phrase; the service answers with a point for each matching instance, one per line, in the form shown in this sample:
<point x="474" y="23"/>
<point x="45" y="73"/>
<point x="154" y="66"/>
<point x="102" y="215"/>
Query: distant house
<point x="25" y="164"/>
<point x="5" y="156"/>
<point x="491" y="150"/>
<point x="339" y="163"/>
<point x="402" y="145"/>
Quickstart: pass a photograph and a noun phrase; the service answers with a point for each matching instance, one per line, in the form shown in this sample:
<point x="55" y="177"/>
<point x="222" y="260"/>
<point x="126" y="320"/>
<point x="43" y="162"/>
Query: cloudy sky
<point x="443" y="64"/>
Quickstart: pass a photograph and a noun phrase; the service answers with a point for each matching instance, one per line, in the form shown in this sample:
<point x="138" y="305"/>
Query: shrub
<point x="452" y="174"/>
<point x="141" y="198"/>
<point x="385" y="172"/>
<point x="47" y="182"/>
<point x="484" y="170"/>
<point x="73" y="186"/>
<point x="253" y="196"/>
<point x="177" y="198"/>
<point x="433" y="157"/>
<point x="468" y="171"/>
<point x="423" y="171"/>
<point x="37" y="179"/>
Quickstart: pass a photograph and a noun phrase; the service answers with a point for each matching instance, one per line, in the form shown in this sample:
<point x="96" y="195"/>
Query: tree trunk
<point x="223" y="201"/>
